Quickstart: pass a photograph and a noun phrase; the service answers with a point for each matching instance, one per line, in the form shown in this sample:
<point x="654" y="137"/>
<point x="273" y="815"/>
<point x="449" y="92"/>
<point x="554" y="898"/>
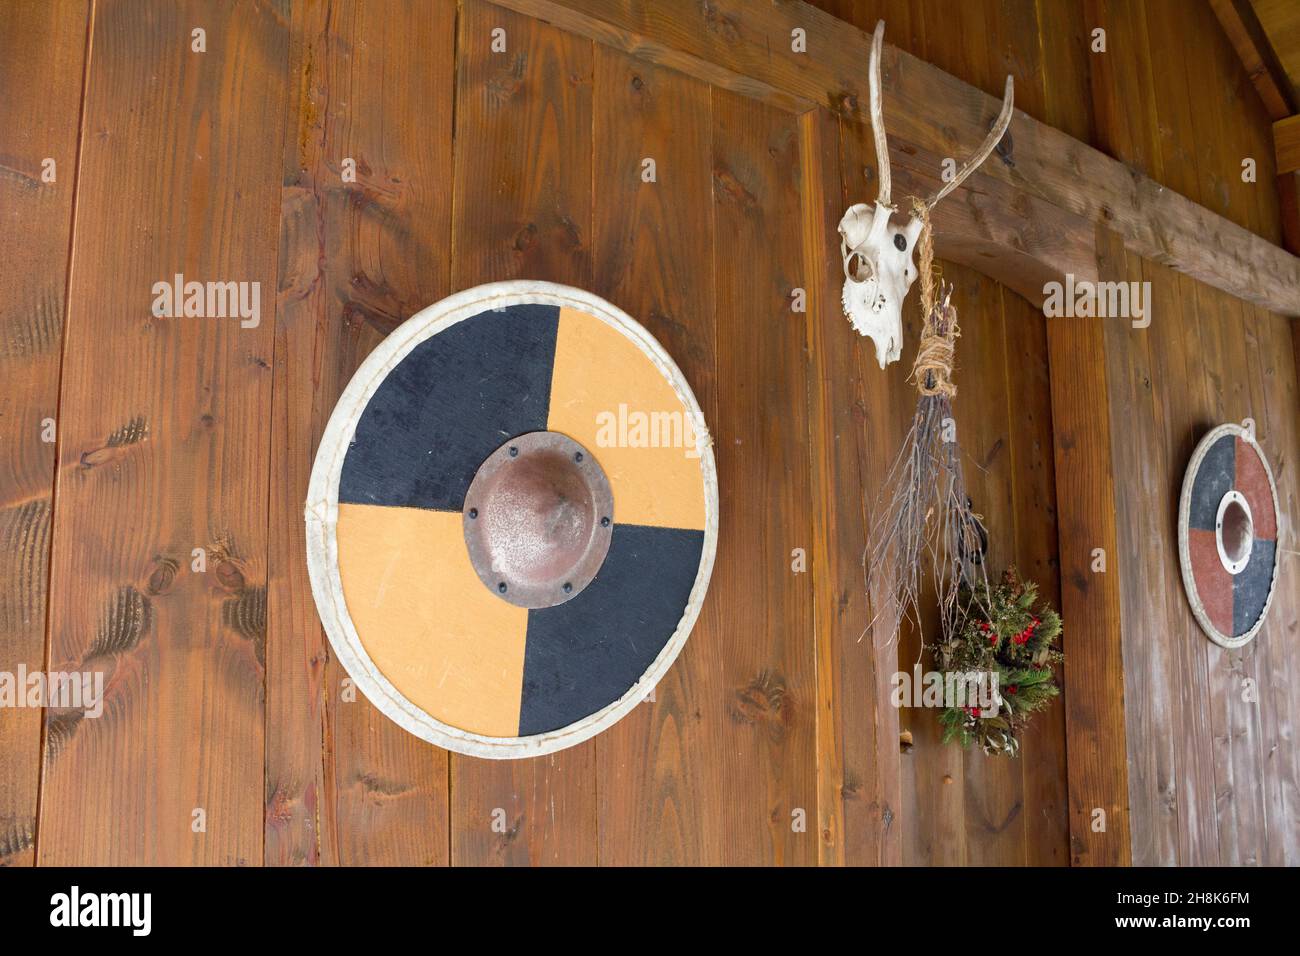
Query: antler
<point x="981" y="154"/>
<point x="878" y="114"/>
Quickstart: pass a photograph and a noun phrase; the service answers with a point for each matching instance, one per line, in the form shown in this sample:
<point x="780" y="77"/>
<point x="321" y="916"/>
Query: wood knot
<point x="763" y="703"/>
<point x="163" y="576"/>
<point x="229" y="576"/>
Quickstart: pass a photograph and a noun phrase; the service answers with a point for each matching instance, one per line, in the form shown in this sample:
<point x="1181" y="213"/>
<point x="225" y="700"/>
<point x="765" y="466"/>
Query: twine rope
<point x="932" y="370"/>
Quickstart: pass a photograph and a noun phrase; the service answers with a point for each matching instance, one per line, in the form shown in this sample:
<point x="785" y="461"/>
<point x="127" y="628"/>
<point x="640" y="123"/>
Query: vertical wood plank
<point x="1036" y="544"/>
<point x="1140" y="455"/>
<point x="1273" y="371"/>
<point x="1238" y="760"/>
<point x="1181" y="420"/>
<point x="1090" y="601"/>
<point x="1064" y="35"/>
<point x="522" y="208"/>
<point x="652" y="249"/>
<point x="763" y="475"/>
<point x="857" y="726"/>
<point x="924" y="819"/>
<point x="164" y="442"/>
<point x="42" y="61"/>
<point x="994" y="786"/>
<point x="881" y="413"/>
<point x="372" y="87"/>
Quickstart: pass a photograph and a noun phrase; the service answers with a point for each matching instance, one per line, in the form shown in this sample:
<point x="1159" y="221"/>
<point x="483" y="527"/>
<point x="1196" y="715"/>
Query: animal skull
<point x="879" y="267"/>
<point x="878" y="270"/>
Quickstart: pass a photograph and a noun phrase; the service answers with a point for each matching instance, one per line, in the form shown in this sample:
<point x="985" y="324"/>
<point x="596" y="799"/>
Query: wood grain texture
<point x="1274" y="379"/>
<point x="946" y="817"/>
<point x="1277" y="94"/>
<point x="1235" y="719"/>
<point x="193" y="432"/>
<point x="882" y="412"/>
<point x="747" y="49"/>
<point x="857" y="727"/>
<point x="993" y="797"/>
<point x="992" y="789"/>
<point x="1036" y="547"/>
<point x="359" y="254"/>
<point x="763" y="475"/>
<point x="42" y="66"/>
<point x="1206" y="783"/>
<point x="1286" y="144"/>
<point x="163" y="443"/>
<point x="1090" y="599"/>
<point x="652" y="252"/>
<point x="1145" y="598"/>
<point x="1242" y="26"/>
<point x="522" y="208"/>
<point x="1280" y="21"/>
<point x="921" y="813"/>
<point x="1181" y="420"/>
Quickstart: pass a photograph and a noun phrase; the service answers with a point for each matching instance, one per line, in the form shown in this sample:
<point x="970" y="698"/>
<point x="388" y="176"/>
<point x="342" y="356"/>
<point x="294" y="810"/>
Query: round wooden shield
<point x="1227" y="535"/>
<point x="512" y="519"/>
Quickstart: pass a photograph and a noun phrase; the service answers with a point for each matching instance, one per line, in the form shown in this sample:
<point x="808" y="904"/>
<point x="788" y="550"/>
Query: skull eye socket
<point x="900" y="242"/>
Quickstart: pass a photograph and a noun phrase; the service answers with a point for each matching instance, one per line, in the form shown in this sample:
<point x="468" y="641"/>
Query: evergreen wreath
<point x="1000" y="632"/>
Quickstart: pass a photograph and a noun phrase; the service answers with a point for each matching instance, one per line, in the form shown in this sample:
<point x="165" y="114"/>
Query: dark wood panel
<point x="1090" y="600"/>
<point x="963" y="39"/>
<point x="857" y="727"/>
<point x="164" y="439"/>
<point x="923" y="812"/>
<point x="359" y="254"/>
<point x="765" y="494"/>
<point x="652" y="252"/>
<point x="42" y="59"/>
<point x="994" y="786"/>
<point x="879" y="404"/>
<point x="1033" y="493"/>
<point x="522" y="208"/>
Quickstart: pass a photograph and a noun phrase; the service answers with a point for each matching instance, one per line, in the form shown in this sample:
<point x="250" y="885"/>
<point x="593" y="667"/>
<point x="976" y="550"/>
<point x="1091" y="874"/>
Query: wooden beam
<point x="1251" y="41"/>
<point x="1019" y="240"/>
<point x="1239" y="22"/>
<point x="747" y="48"/>
<point x="1286" y="143"/>
<point x="1280" y="22"/>
<point x="1082" y="433"/>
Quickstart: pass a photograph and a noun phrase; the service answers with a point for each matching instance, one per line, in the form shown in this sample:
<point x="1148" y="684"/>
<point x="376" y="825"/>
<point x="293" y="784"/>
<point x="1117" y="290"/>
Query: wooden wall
<point x="1211" y="777"/>
<point x="172" y="436"/>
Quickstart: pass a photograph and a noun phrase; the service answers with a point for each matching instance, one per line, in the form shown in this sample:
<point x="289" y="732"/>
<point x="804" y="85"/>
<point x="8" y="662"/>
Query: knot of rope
<point x="932" y="370"/>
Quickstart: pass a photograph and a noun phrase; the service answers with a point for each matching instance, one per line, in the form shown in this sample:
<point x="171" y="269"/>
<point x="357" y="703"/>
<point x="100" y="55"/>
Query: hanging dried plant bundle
<point x="923" y="520"/>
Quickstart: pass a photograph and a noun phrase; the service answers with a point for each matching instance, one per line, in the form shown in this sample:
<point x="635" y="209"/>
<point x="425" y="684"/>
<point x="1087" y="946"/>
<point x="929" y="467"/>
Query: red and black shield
<point x="1227" y="535"/>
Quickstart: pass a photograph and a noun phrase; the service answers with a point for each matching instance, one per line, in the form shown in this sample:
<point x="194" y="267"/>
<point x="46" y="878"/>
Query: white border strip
<point x="322" y="512"/>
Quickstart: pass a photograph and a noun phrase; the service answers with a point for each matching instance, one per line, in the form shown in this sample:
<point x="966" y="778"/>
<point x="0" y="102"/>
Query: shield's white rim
<point x="1184" y="544"/>
<point x="322" y="517"/>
